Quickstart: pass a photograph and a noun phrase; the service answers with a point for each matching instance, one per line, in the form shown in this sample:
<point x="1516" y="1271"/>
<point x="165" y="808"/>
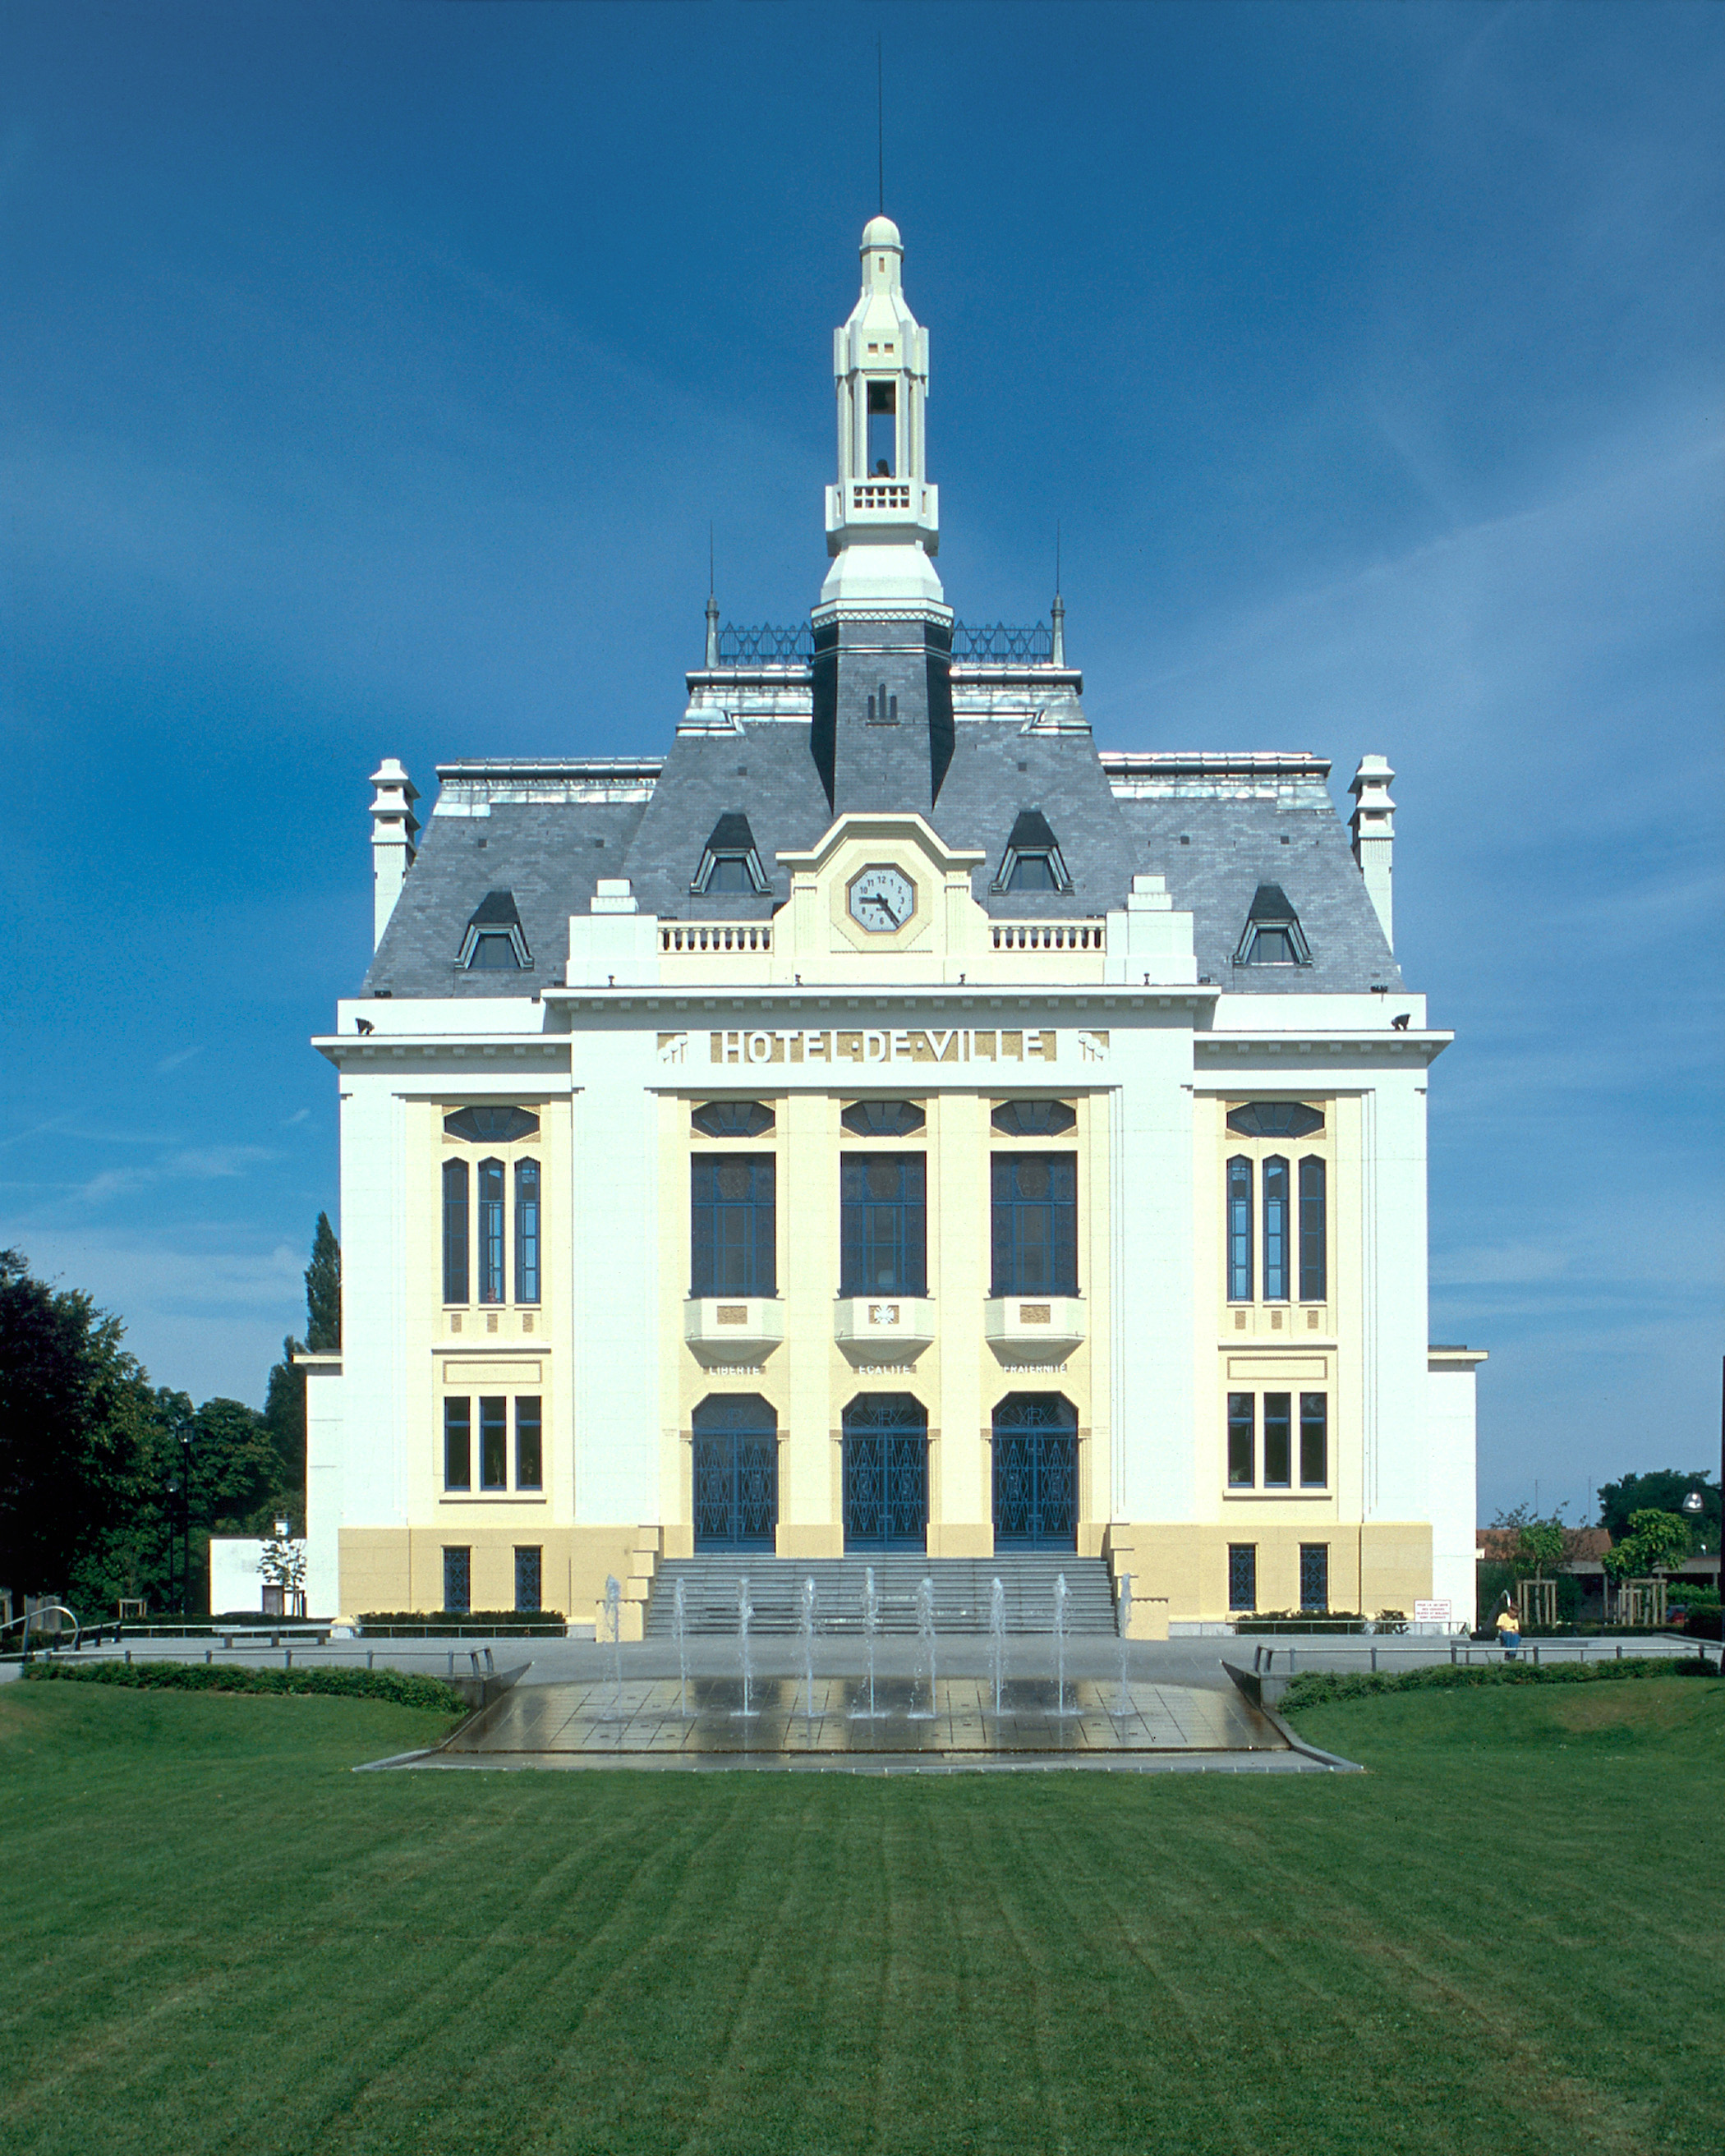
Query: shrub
<point x="397" y="1686"/>
<point x="1325" y="1687"/>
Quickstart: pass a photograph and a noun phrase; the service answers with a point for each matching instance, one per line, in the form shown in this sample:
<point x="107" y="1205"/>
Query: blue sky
<point x="374" y="371"/>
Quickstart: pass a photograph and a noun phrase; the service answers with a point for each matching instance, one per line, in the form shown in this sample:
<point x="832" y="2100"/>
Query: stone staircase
<point x="962" y="1592"/>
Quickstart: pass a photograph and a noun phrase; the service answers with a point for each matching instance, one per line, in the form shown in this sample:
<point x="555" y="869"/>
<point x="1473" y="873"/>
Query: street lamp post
<point x="186" y="1521"/>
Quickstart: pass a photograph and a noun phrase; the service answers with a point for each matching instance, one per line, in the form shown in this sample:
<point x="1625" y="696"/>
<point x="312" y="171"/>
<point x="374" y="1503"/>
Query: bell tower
<point x="883" y="633"/>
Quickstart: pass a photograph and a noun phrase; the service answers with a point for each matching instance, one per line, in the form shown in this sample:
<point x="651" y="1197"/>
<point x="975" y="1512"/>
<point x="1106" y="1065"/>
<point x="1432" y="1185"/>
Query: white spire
<point x="1374" y="824"/>
<point x="883" y="517"/>
<point x="394" y="827"/>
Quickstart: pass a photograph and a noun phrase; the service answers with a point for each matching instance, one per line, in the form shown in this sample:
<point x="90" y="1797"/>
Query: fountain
<point x="745" y="1610"/>
<point x="613" y="1623"/>
<point x="1061" y="1591"/>
<point x="679" y="1633"/>
<point x="925" y="1639"/>
<point x="805" y="1624"/>
<point x="997" y="1639"/>
<point x="871" y="1626"/>
<point x="1123" y="1618"/>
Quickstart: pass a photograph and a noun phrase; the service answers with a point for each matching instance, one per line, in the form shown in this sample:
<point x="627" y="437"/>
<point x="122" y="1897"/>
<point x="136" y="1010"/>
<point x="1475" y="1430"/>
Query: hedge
<point x="397" y="1686"/>
<point x="1324" y="1687"/>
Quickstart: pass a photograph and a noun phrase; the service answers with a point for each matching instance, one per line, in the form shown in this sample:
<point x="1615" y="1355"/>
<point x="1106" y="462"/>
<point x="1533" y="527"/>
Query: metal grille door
<point x="736" y="1474"/>
<point x="1036" y="1473"/>
<point x="885" y="1473"/>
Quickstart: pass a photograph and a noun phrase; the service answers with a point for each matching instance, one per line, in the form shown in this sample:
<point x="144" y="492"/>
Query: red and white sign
<point x="1432" y="1613"/>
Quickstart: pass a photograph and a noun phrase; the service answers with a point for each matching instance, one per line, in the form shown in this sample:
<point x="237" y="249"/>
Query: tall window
<point x="883" y="428"/>
<point x="1278" y="1441"/>
<point x="1314" y="1440"/>
<point x="527" y="1231"/>
<point x="458" y="1444"/>
<point x="1242" y="1575"/>
<point x="883" y="1215"/>
<point x="454" y="1231"/>
<point x="733" y="1219"/>
<point x="1239" y="1229"/>
<point x="1276" y="1229"/>
<point x="1314" y="1239"/>
<point x="1242" y="1437"/>
<point x="494" y="1444"/>
<point x="1035" y="1238"/>
<point x="526" y="1579"/>
<point x="458" y="1580"/>
<point x="1314" y="1575"/>
<point x="490" y="1231"/>
<point x="529" y="1445"/>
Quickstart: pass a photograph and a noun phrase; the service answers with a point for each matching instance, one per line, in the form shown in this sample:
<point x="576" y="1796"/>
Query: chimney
<point x="1373" y="824"/>
<point x="393" y="828"/>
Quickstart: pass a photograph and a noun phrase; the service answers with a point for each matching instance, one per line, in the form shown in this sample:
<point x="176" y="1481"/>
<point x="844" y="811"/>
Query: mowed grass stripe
<point x="239" y="1943"/>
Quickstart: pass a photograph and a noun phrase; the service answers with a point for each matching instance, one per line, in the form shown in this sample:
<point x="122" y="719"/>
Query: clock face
<point x="882" y="899"/>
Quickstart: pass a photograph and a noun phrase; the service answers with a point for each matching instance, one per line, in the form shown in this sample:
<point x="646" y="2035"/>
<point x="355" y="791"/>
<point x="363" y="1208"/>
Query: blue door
<point x="885" y="1473"/>
<point x="1035" y="1472"/>
<point x="736" y="1473"/>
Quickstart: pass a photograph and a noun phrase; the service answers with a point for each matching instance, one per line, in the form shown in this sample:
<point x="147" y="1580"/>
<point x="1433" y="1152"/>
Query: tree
<point x="1655" y="1542"/>
<point x="323" y="1291"/>
<point x="1662" y="1491"/>
<point x="75" y="1407"/>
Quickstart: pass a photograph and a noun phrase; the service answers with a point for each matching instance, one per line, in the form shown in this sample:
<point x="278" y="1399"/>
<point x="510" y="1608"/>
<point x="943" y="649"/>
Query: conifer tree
<point x="323" y="1291"/>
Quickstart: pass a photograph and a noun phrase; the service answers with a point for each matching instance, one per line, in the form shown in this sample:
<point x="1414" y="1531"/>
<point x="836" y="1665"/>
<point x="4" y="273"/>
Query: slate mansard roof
<point x="1216" y="827"/>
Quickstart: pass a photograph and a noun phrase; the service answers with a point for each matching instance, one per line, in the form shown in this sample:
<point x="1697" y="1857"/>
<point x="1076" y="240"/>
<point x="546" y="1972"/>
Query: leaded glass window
<point x="733" y="1222"/>
<point x="1033" y="1119"/>
<point x="1242" y="1575"/>
<point x="883" y="1216"/>
<point x="458" y="1580"/>
<point x="527" y="1573"/>
<point x="883" y="1119"/>
<point x="1314" y="1441"/>
<point x="454" y="1231"/>
<point x="1239" y="1229"/>
<point x="733" y="1119"/>
<point x="1274" y="1119"/>
<point x="1278" y="1441"/>
<point x="1035" y="1223"/>
<point x="490" y="1231"/>
<point x="491" y="1125"/>
<point x="1242" y="1438"/>
<point x="1314" y="1575"/>
<point x="458" y="1444"/>
<point x="1276" y="1229"/>
<point x="529" y="1444"/>
<point x="494" y="1443"/>
<point x="527" y="1231"/>
<point x="1314" y="1234"/>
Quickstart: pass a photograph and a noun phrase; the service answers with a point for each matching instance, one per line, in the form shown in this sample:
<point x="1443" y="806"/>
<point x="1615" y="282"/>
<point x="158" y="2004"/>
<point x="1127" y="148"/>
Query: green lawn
<point x="1506" y="1938"/>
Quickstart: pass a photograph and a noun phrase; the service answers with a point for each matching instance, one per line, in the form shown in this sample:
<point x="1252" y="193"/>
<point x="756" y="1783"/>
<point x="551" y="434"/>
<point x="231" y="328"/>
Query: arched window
<point x="527" y="1231"/>
<point x="454" y="1231"/>
<point x="736" y="1472"/>
<point x="1314" y="1234"/>
<point x="1035" y="1472"/>
<point x="490" y="1231"/>
<point x="1276" y="1229"/>
<point x="1239" y="1229"/>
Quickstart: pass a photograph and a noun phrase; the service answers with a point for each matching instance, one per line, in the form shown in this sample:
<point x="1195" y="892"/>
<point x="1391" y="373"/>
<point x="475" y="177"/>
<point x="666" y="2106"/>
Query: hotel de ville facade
<point x="887" y="1123"/>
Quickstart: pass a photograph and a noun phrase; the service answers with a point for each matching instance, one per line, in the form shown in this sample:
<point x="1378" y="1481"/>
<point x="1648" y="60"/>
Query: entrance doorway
<point x="1036" y="1473"/>
<point x="886" y="1472"/>
<point x="736" y="1473"/>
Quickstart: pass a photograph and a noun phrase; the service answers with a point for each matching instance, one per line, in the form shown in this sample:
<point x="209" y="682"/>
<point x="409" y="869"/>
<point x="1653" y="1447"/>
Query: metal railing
<point x="765" y="645"/>
<point x="985" y="644"/>
<point x="1001" y="645"/>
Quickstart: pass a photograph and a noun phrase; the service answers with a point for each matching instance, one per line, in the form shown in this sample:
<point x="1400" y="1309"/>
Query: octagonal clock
<point x="882" y="899"/>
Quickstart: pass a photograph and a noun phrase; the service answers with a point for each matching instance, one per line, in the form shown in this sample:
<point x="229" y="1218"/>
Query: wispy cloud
<point x="174" y="1062"/>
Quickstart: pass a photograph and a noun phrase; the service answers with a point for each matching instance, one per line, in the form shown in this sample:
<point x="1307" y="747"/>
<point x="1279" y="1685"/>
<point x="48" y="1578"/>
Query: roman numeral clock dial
<point x="882" y="899"/>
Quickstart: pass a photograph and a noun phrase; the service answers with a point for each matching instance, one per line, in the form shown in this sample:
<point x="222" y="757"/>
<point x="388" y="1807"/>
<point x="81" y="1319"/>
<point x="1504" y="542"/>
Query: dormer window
<point x="1032" y="860"/>
<point x="1272" y="935"/>
<point x="493" y="941"/>
<point x="731" y="862"/>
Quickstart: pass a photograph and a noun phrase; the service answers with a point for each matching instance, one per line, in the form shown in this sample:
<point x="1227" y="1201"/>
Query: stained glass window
<point x="883" y="1216"/>
<point x="1239" y="1229"/>
<point x="454" y="1231"/>
<point x="527" y="1231"/>
<point x="1276" y="1229"/>
<point x="1314" y="1239"/>
<point x="490" y="1231"/>
<point x="733" y="1219"/>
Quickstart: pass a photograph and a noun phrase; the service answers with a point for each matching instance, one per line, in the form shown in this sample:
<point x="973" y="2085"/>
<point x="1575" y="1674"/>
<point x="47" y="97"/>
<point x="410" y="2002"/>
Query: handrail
<point x="59" y="1608"/>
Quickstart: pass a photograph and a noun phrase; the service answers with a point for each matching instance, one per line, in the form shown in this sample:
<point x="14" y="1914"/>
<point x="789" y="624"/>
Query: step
<point x="963" y="1592"/>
